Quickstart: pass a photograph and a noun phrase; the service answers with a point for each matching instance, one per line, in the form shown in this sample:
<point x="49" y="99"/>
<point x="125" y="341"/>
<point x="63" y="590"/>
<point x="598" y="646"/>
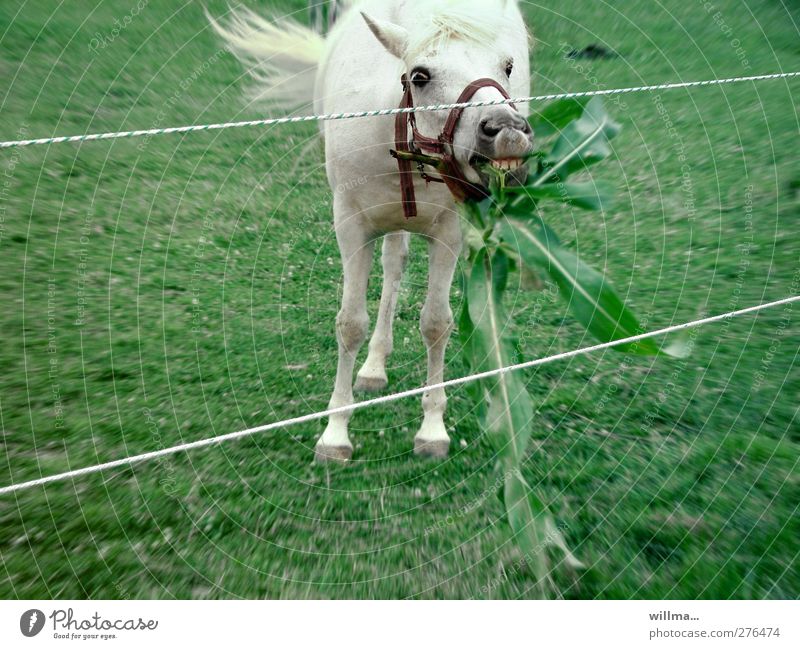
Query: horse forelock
<point x="446" y="20"/>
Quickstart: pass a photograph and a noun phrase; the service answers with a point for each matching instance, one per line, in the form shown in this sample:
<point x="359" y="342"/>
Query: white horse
<point x="442" y="46"/>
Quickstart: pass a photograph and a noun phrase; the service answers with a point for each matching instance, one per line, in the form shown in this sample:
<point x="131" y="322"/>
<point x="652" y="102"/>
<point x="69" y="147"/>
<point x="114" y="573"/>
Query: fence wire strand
<point x="210" y="441"/>
<point x="386" y="111"/>
<point x="135" y="459"/>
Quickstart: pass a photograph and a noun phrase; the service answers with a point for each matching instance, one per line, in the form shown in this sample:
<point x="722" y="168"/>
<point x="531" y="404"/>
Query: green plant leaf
<point x="470" y="351"/>
<point x="592" y="300"/>
<point x="590" y="195"/>
<point x="534" y="527"/>
<point x="501" y="266"/>
<point x="510" y="411"/>
<point x="526" y="518"/>
<point x="584" y="142"/>
<point x="505" y="233"/>
<point x="508" y="418"/>
<point x="472" y="237"/>
<point x="556" y="115"/>
<point x="466" y="331"/>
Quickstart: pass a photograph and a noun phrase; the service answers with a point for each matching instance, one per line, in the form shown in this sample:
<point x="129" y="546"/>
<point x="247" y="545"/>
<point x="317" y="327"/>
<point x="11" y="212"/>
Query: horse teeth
<point x="507" y="164"/>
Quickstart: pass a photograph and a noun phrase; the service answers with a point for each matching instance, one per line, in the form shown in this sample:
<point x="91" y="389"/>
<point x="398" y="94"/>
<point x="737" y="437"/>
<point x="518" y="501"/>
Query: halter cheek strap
<point x="401" y="144"/>
<point x="451" y="175"/>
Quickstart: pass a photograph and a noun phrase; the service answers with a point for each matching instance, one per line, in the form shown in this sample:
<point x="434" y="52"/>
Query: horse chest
<point x="381" y="209"/>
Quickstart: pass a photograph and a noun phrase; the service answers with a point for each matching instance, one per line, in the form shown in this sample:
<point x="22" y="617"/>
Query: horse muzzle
<point x="505" y="133"/>
<point x="504" y="140"/>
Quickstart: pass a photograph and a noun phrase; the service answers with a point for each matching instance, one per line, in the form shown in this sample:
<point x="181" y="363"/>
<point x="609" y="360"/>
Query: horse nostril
<point x="489" y="129"/>
<point x="521" y="124"/>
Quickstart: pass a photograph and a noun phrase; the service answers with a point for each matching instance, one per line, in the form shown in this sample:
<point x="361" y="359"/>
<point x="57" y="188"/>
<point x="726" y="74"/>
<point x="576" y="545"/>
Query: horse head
<point x="451" y="51"/>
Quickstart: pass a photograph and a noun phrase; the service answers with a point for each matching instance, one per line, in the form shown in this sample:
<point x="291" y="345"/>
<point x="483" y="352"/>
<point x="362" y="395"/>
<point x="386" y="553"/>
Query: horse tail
<point x="281" y="55"/>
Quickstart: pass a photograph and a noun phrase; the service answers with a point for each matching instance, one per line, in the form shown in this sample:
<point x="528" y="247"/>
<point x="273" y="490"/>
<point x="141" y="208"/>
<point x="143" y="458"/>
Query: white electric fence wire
<point x="386" y="111"/>
<point x="387" y="398"/>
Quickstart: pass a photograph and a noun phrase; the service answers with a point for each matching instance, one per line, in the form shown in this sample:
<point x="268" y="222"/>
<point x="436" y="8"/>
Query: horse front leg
<point x="372" y="375"/>
<point x="352" y="326"/>
<point x="436" y="324"/>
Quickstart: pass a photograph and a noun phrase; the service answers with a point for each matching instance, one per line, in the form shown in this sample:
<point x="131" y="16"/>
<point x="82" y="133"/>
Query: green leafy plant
<point x="506" y="232"/>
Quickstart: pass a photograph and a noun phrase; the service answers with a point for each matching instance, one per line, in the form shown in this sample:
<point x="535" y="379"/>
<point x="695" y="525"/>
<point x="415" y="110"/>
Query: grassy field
<point x="166" y="290"/>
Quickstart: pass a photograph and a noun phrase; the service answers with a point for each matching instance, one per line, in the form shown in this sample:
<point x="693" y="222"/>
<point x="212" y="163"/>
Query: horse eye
<point x="509" y="67"/>
<point x="420" y="76"/>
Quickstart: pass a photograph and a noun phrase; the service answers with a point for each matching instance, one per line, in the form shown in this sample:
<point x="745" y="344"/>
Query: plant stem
<point x="417" y="157"/>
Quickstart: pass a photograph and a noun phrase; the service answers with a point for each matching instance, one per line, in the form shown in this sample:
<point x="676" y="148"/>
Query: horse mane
<point x="439" y="21"/>
<point x="445" y="20"/>
<point x="283" y="56"/>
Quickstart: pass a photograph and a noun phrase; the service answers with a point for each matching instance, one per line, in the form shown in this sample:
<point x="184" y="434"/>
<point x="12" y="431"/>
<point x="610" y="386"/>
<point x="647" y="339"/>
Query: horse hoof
<point x="370" y="383"/>
<point x="437" y="449"/>
<point x="339" y="454"/>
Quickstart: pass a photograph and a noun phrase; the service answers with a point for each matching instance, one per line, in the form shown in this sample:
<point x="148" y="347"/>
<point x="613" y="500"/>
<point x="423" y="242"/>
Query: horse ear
<point x="393" y="37"/>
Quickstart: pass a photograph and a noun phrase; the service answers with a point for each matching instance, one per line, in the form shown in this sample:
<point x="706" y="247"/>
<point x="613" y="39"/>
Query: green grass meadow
<point x="163" y="290"/>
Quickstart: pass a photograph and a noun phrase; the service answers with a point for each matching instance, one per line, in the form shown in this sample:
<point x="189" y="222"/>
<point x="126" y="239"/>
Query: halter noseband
<point x="450" y="170"/>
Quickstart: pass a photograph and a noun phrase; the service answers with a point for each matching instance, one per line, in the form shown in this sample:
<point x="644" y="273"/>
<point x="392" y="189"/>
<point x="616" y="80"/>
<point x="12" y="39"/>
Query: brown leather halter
<point x="450" y="170"/>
